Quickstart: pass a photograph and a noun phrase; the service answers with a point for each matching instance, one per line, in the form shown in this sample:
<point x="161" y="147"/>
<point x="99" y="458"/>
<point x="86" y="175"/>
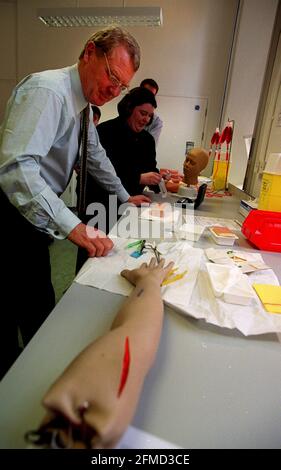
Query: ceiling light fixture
<point x="100" y="16"/>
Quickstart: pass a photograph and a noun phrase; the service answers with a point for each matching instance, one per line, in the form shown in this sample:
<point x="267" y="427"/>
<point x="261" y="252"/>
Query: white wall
<point x="187" y="56"/>
<point x="248" y="68"/>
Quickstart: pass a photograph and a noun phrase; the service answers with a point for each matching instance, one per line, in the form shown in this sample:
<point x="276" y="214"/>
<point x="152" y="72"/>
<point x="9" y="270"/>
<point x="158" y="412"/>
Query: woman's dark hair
<point x="136" y="97"/>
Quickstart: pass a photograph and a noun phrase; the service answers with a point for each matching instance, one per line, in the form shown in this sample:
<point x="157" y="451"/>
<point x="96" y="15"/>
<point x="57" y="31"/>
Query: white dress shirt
<point x="39" y="145"/>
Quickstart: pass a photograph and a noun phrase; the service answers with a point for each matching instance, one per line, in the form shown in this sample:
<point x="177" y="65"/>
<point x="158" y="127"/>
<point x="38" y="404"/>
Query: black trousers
<point x="27" y="294"/>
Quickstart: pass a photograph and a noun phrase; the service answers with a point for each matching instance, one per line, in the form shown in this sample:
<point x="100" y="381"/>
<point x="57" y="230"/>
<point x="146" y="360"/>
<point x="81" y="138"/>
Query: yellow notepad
<point x="270" y="296"/>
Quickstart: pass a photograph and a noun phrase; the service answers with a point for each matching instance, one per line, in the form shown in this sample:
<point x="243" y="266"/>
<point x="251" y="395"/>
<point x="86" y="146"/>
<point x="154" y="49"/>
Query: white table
<point x="209" y="387"/>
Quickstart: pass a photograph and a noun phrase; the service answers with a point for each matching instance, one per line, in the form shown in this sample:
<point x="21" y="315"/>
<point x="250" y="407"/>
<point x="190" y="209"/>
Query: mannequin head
<point x="196" y="160"/>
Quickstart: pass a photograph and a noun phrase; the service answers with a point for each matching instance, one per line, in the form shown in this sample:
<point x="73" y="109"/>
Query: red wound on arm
<point x="125" y="367"/>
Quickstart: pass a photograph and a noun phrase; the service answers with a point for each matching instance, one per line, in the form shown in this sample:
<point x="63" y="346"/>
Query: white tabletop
<point x="209" y="387"/>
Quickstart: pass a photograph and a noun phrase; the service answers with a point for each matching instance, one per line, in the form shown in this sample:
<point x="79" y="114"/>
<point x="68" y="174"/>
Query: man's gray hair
<point x="113" y="36"/>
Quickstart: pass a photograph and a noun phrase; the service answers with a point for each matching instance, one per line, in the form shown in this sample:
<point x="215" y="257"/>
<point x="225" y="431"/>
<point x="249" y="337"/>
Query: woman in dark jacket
<point x="129" y="146"/>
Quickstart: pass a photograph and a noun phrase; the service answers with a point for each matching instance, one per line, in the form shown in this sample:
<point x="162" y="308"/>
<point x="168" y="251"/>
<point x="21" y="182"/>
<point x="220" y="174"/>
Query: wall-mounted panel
<point x="6" y="88"/>
<point x="183" y="120"/>
<point x="8" y="40"/>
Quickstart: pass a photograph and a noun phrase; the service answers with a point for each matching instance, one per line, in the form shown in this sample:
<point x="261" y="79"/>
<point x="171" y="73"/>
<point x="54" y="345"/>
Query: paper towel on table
<point x="193" y="294"/>
<point x="247" y="262"/>
<point x="249" y="319"/>
<point x="104" y="273"/>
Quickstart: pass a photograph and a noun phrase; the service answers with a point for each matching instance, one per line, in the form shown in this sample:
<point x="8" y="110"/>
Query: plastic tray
<point x="223" y="240"/>
<point x="230" y="284"/>
<point x="263" y="229"/>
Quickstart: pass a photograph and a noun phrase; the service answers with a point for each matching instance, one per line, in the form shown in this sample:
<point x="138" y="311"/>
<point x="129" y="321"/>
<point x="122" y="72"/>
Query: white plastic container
<point x="223" y="240"/>
<point x="162" y="188"/>
<point x="230" y="284"/>
<point x="187" y="191"/>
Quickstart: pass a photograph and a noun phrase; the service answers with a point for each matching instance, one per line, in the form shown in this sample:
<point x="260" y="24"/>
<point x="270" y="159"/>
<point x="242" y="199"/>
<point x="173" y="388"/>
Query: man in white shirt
<point x="156" y="124"/>
<point x="38" y="151"/>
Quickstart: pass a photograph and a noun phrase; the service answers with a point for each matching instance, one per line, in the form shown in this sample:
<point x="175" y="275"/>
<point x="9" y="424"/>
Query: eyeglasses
<point x="114" y="80"/>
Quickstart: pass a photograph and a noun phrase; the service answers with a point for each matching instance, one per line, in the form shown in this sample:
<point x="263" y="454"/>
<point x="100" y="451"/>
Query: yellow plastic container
<point x="220" y="174"/>
<point x="270" y="195"/>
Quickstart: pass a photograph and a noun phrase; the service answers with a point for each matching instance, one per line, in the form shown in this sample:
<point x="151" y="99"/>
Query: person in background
<point x="96" y="114"/>
<point x="92" y="403"/>
<point x="38" y="150"/>
<point x="129" y="146"/>
<point x="154" y="127"/>
<point x="131" y="150"/>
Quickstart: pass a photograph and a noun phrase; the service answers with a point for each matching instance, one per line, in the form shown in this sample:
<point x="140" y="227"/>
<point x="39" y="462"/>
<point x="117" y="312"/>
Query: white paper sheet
<point x="192" y="294"/>
<point x="249" y="319"/>
<point x="104" y="273"/>
<point x="247" y="262"/>
<point x="209" y="221"/>
<point x="163" y="212"/>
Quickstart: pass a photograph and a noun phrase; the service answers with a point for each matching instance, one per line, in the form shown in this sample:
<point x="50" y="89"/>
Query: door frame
<point x="265" y="114"/>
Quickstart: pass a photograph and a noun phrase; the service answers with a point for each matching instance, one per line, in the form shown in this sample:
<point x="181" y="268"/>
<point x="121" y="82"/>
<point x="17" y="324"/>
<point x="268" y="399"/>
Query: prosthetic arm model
<point x="94" y="400"/>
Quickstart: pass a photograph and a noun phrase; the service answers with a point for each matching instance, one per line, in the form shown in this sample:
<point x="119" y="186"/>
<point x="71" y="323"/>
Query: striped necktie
<point x="83" y="140"/>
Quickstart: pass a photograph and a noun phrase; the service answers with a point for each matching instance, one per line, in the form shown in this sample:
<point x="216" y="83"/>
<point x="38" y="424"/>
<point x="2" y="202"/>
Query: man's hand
<point x="138" y="200"/>
<point x="96" y="242"/>
<point x="152" y="177"/>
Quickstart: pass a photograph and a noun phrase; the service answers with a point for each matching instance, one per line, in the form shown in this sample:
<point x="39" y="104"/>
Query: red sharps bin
<point x="263" y="229"/>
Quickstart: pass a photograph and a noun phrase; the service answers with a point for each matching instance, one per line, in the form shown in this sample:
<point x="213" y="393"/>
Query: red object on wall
<point x="263" y="229"/>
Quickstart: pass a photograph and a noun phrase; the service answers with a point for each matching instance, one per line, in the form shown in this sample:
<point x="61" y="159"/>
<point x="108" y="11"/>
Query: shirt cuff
<point x="63" y="224"/>
<point x="122" y="195"/>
